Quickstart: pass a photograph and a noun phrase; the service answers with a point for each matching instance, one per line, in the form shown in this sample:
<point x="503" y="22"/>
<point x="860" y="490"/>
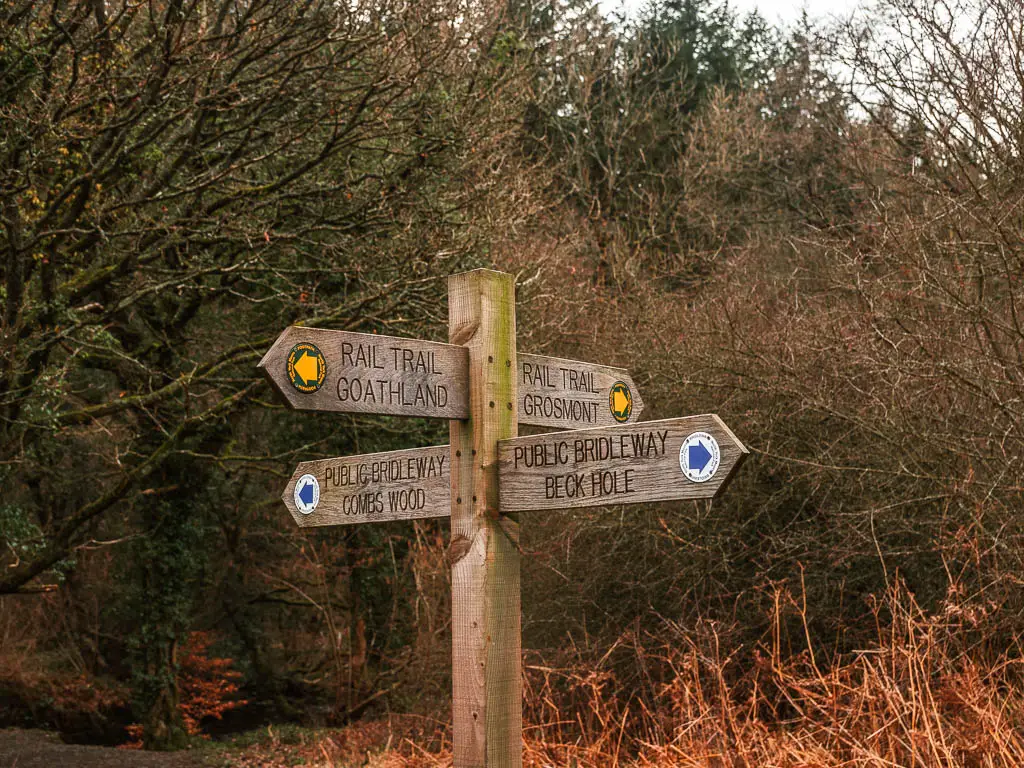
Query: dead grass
<point x="924" y="696"/>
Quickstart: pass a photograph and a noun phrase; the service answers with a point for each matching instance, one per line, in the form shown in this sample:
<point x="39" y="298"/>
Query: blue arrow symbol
<point x="699" y="456"/>
<point x="306" y="493"/>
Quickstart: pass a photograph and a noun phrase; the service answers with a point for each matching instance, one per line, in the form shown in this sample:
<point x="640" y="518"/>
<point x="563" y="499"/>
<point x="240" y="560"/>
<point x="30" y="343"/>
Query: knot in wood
<point x="458" y="549"/>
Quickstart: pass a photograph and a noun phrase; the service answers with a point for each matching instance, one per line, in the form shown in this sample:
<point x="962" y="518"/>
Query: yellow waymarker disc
<point x="620" y="402"/>
<point x="307" y="367"/>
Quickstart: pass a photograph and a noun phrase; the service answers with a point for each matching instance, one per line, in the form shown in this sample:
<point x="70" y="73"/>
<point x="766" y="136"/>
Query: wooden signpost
<point x="317" y="369"/>
<point x="374" y="487"/>
<point x="321" y="370"/>
<point x="487" y="475"/>
<point x="569" y="394"/>
<point x="688" y="458"/>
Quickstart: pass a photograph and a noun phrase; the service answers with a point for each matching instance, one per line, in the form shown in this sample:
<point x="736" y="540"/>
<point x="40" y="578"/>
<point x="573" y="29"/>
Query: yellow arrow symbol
<point x="621" y="401"/>
<point x="308" y="367"/>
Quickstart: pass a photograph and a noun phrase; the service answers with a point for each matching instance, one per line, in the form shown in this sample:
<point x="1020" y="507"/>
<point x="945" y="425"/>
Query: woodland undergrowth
<point x="924" y="694"/>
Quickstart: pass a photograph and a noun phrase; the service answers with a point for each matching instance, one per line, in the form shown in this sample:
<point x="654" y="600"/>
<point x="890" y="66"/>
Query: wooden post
<point x="473" y="382"/>
<point x="484" y="550"/>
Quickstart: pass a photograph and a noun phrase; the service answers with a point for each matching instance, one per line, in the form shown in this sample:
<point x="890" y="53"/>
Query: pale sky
<point x="780" y="12"/>
<point x="788" y="11"/>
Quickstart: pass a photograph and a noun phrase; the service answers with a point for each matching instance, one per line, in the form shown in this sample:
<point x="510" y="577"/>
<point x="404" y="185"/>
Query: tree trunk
<point x="163" y="727"/>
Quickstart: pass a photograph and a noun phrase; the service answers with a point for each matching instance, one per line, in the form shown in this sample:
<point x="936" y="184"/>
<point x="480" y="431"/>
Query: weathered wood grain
<point x="570" y="394"/>
<point x="487" y="475"/>
<point x="376" y="487"/>
<point x="486" y="653"/>
<point x="367" y="373"/>
<point x="625" y="464"/>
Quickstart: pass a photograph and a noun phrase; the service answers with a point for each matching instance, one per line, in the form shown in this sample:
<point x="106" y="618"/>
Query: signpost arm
<point x="486" y="652"/>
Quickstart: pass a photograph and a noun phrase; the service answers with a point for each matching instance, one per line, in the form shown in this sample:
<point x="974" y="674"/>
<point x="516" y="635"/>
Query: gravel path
<point x="41" y="749"/>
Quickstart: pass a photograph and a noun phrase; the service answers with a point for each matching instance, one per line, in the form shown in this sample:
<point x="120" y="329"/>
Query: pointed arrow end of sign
<point x="743" y="452"/>
<point x="638" y="402"/>
<point x="288" y="497"/>
<point x="281" y="340"/>
<point x="273" y="369"/>
<point x="729" y="433"/>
